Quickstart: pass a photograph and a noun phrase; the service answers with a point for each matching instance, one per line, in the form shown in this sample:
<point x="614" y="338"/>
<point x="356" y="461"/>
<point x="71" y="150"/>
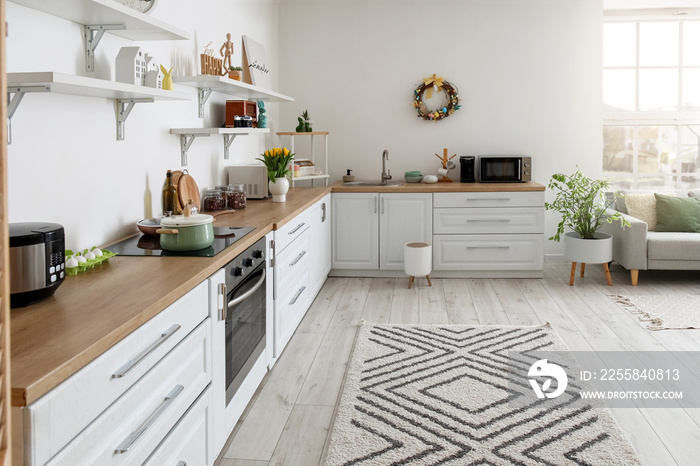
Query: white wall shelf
<point x="188" y="135"/>
<point x="126" y="95"/>
<point x="323" y="177"/>
<point x="205" y="84"/>
<point x="99" y="16"/>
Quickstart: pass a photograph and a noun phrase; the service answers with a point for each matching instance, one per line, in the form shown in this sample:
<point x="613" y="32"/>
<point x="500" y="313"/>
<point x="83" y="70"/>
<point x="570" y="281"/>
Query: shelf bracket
<point x="228" y="139"/>
<point x="186" y="141"/>
<point x="14" y="97"/>
<point x="124" y="107"/>
<point x="203" y="96"/>
<point x="93" y="35"/>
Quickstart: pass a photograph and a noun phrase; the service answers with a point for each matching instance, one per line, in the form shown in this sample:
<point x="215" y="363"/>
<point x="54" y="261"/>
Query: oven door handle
<point x="245" y="295"/>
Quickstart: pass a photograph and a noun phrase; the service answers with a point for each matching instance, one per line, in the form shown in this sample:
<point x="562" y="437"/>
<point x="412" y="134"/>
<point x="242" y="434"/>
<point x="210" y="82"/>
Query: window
<point x="651" y="98"/>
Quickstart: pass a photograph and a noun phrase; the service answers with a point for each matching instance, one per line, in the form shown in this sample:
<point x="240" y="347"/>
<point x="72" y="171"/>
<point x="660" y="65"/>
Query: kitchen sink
<point x="372" y="183"/>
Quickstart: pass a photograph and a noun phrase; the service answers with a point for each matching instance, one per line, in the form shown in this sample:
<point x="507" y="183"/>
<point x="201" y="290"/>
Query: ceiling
<point x="644" y="4"/>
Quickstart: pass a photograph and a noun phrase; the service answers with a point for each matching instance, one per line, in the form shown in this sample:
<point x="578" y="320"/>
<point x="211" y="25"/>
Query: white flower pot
<point x="279" y="189"/>
<point x="588" y="251"/>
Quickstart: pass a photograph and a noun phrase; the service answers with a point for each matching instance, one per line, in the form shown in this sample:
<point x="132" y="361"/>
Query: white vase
<point x="279" y="189"/>
<point x="588" y="251"/>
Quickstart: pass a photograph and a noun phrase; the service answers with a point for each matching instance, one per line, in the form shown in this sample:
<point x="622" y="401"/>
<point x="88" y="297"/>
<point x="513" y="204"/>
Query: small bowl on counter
<point x="413" y="177"/>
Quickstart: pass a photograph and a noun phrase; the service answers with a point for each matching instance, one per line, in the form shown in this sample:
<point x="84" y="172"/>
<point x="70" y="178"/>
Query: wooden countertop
<point x="92" y="311"/>
<point x="453" y="187"/>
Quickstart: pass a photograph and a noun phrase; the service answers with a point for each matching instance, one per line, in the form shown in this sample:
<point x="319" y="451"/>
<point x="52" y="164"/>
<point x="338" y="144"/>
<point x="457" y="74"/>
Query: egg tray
<point x="90" y="263"/>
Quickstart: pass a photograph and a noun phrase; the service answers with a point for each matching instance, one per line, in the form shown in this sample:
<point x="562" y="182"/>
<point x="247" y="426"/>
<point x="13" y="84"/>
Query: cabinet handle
<point x="376" y="201"/>
<point x="489" y="220"/>
<point x="296" y="228"/>
<point x="126" y="368"/>
<point x="488" y="247"/>
<point x="223" y="309"/>
<point x="296" y="296"/>
<point x="382" y="206"/>
<point x="181" y="463"/>
<point x="297" y="259"/>
<point x="237" y="300"/>
<point x="323" y="209"/>
<point x="134" y="436"/>
<point x="488" y="199"/>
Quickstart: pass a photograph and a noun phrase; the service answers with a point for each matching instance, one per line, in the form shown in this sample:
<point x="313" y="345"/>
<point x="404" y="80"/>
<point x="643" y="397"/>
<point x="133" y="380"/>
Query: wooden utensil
<point x="187" y="189"/>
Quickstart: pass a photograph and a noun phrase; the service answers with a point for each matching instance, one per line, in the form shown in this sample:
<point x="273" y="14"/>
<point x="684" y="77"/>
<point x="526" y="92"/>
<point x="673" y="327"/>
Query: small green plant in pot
<point x="583" y="207"/>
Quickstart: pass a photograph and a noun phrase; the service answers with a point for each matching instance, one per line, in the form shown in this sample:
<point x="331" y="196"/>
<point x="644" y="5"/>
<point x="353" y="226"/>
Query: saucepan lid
<point x="182" y="221"/>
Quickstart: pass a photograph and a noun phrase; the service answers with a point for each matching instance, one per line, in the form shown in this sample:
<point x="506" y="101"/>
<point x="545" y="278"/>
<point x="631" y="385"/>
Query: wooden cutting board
<point x="187" y="189"/>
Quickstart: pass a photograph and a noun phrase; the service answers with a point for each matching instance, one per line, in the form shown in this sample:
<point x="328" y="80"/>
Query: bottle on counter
<point x="169" y="196"/>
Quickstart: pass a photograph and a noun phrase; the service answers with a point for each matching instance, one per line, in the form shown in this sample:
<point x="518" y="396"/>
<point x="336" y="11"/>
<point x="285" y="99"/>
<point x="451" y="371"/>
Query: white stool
<point x="417" y="261"/>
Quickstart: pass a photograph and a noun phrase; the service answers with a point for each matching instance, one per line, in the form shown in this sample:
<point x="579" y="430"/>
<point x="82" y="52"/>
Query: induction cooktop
<point x="146" y="245"/>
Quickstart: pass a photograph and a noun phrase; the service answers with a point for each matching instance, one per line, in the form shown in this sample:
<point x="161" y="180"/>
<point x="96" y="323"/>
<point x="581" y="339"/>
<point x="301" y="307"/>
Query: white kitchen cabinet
<point x="51" y="422"/>
<point x="320" y="218"/>
<point x="370" y="229"/>
<point x="495" y="234"/>
<point x="355" y="229"/>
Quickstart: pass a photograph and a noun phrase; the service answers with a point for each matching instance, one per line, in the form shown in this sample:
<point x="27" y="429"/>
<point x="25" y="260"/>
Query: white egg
<point x="90" y="255"/>
<point x="71" y="263"/>
<point x="97" y="252"/>
<point x="80" y="259"/>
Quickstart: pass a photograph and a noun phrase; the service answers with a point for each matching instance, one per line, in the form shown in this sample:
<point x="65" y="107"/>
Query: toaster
<point x="254" y="177"/>
<point x="37" y="263"/>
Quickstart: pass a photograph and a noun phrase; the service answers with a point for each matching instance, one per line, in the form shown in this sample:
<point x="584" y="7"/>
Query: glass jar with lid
<point x="213" y="200"/>
<point x="236" y="196"/>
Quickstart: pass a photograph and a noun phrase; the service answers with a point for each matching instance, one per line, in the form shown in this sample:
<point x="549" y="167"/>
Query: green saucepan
<point x="180" y="233"/>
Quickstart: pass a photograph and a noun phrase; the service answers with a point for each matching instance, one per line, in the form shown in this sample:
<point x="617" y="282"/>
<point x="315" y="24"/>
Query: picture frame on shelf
<point x="258" y="68"/>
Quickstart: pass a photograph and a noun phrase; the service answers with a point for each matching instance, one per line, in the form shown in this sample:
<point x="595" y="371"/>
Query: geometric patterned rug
<point x="662" y="312"/>
<point x="438" y="395"/>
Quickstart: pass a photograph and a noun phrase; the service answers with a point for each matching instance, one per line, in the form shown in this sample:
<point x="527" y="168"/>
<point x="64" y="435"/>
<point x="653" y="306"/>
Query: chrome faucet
<point x="386" y="174"/>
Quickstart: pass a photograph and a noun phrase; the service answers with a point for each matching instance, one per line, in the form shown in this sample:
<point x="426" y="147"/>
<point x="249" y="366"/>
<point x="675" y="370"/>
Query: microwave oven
<point x="505" y="169"/>
<point x="254" y="177"/>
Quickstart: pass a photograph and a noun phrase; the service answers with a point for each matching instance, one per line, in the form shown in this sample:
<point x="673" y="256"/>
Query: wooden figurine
<point x="446" y="166"/>
<point x="226" y="51"/>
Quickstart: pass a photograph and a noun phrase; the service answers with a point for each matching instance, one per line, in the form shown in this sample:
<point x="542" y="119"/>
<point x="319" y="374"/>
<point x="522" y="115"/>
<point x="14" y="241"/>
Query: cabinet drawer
<point x="488" y="252"/>
<point x="290" y="307"/>
<point x="62" y="413"/>
<point x="486" y="220"/>
<point x="291" y="261"/>
<point x="187" y="443"/>
<point x="291" y="231"/>
<point x="129" y="430"/>
<point x="490" y="199"/>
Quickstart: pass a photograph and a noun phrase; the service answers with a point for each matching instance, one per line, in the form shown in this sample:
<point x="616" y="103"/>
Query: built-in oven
<point x="245" y="315"/>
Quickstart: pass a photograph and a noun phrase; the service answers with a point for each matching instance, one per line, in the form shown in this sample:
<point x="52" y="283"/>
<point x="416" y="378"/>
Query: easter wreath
<point x="427" y="87"/>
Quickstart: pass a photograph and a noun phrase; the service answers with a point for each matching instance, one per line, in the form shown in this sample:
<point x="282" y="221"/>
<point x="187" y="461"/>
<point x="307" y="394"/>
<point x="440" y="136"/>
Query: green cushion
<point x="677" y="213"/>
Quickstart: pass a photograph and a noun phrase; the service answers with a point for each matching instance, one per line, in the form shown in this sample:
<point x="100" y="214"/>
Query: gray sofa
<point x="636" y="248"/>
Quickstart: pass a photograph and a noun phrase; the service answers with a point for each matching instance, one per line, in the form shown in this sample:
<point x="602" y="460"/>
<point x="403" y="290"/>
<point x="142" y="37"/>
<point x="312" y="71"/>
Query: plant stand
<point x="324" y="176"/>
<point x="606" y="269"/>
<point x="592" y="251"/>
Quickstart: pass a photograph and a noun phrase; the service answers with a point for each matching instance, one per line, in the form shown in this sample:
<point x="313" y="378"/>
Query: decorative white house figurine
<point x="154" y="77"/>
<point x="130" y="66"/>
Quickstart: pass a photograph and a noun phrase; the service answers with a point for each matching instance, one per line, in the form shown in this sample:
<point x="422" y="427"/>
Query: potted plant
<point x="304" y="125"/>
<point x="278" y="161"/>
<point x="234" y="72"/>
<point x="583" y="207"/>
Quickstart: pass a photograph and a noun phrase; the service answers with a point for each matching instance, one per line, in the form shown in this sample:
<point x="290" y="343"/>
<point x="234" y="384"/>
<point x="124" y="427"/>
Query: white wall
<point x="65" y="164"/>
<point x="528" y="72"/>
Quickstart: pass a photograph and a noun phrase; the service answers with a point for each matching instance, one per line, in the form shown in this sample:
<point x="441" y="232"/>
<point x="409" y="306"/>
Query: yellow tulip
<point x="286" y="151"/>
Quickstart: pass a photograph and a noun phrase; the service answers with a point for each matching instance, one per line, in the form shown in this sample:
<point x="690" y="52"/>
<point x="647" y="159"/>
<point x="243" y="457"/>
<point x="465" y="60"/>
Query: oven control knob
<point x="237" y="272"/>
<point x="248" y="262"/>
<point x="258" y="254"/>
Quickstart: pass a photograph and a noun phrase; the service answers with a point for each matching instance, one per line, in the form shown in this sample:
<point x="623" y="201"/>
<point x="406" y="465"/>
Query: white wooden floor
<point x="288" y="421"/>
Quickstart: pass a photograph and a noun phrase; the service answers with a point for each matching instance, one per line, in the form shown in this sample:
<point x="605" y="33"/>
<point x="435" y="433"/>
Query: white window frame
<point x="637" y="119"/>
